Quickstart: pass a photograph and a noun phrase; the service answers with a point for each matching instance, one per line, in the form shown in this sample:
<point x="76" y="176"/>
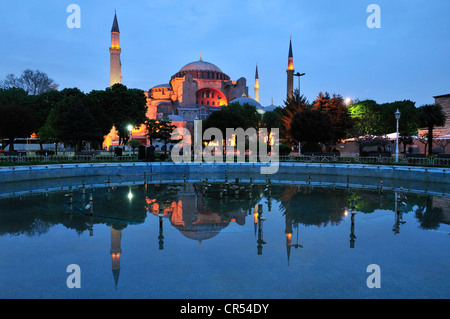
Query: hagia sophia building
<point x="194" y="92"/>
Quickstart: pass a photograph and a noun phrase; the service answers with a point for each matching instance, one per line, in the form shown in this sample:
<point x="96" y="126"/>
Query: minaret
<point x="290" y="72"/>
<point x="114" y="50"/>
<point x="256" y="85"/>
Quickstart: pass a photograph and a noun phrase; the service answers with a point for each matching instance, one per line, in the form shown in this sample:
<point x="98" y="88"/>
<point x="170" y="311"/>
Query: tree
<point x="153" y="130"/>
<point x="292" y="106"/>
<point x="234" y="116"/>
<point x="16" y="117"/>
<point x="125" y="106"/>
<point x="378" y="119"/>
<point x="71" y="122"/>
<point x="33" y="82"/>
<point x="166" y="128"/>
<point x="16" y="120"/>
<point x="311" y="127"/>
<point x="430" y="116"/>
<point x="97" y="102"/>
<point x="365" y="118"/>
<point x="42" y="104"/>
<point x="442" y="142"/>
<point x="408" y="123"/>
<point x="336" y="108"/>
<point x="134" y="144"/>
<point x="270" y="120"/>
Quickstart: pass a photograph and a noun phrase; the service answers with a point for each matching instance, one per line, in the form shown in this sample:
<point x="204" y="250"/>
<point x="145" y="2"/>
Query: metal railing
<point x="36" y="159"/>
<point x="65" y="159"/>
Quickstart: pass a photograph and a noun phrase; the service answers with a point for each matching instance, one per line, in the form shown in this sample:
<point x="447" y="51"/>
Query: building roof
<point x="115" y="26"/>
<point x="438" y="96"/>
<point x="200" y="66"/>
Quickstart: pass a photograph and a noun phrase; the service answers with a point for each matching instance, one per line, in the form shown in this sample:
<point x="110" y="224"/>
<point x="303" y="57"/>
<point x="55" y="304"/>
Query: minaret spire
<point x="290" y="71"/>
<point x="256" y="84"/>
<point x="115" y="50"/>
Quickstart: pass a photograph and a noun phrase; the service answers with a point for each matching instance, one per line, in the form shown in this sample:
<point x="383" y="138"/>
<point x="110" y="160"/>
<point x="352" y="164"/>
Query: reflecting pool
<point x="201" y="240"/>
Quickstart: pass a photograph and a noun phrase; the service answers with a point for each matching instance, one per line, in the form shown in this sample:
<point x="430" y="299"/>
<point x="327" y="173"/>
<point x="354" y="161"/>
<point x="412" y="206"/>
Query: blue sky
<point x="407" y="58"/>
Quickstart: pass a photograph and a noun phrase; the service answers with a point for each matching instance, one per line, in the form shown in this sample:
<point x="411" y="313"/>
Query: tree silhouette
<point x="430" y="116"/>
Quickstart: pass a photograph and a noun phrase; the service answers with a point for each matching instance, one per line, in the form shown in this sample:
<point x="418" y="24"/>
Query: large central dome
<point x="202" y="70"/>
<point x="200" y="66"/>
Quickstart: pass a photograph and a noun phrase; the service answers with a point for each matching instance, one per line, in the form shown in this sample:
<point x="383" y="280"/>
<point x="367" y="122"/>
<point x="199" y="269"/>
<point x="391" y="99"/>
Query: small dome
<point x="246" y="100"/>
<point x="175" y="118"/>
<point x="161" y="86"/>
<point x="200" y="66"/>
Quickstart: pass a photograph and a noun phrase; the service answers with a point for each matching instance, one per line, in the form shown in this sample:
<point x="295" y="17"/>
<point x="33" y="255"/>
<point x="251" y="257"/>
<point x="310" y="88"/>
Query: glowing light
<point x="130" y="127"/>
<point x="345" y="212"/>
<point x="348" y="101"/>
<point x="288" y="238"/>
<point x="255" y="215"/>
<point x="130" y="195"/>
<point x="256" y="84"/>
<point x="291" y="64"/>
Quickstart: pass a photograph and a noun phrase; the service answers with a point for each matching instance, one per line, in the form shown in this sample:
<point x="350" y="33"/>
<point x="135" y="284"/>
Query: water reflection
<point x="201" y="215"/>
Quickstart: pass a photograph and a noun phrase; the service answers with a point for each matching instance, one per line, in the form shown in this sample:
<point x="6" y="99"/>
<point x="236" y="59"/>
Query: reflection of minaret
<point x="398" y="213"/>
<point x="115" y="50"/>
<point x="288" y="232"/>
<point x="256" y="85"/>
<point x="352" y="230"/>
<point x="116" y="250"/>
<point x="260" y="240"/>
<point x="161" y="236"/>
<point x="290" y="72"/>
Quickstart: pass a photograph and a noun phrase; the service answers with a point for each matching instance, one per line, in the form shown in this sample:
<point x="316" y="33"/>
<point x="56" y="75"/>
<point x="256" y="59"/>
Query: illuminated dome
<point x="200" y="66"/>
<point x="202" y="70"/>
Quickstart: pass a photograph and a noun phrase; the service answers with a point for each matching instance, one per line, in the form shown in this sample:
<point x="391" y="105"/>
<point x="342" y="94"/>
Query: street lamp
<point x="397" y="117"/>
<point x="299" y="76"/>
<point x="130" y="129"/>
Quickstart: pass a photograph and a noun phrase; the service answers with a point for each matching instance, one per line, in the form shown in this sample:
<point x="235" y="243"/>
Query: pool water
<point x="168" y="240"/>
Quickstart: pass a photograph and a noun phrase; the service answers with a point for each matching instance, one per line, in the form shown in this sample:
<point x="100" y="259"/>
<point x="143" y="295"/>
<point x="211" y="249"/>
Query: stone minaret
<point x="114" y="50"/>
<point x="256" y="85"/>
<point x="290" y="72"/>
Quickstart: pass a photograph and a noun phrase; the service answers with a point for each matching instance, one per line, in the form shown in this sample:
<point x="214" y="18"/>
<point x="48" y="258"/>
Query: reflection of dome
<point x="202" y="231"/>
<point x="198" y="235"/>
<point x="200" y="66"/>
<point x="246" y="100"/>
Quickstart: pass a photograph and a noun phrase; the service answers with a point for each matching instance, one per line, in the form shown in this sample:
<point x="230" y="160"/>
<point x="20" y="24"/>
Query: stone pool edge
<point x="39" y="172"/>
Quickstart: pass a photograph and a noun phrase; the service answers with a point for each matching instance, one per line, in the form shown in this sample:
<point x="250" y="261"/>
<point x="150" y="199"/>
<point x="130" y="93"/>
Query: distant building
<point x="444" y="101"/>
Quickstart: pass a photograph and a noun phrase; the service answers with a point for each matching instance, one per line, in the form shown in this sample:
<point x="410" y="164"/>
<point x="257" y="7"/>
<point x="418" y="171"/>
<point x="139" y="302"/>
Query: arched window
<point x="209" y="95"/>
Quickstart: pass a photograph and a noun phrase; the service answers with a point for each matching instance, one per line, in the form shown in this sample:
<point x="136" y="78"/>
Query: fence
<point x="65" y="158"/>
<point x="36" y="159"/>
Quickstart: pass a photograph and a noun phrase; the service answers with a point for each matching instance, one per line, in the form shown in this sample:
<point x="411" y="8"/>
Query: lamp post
<point x="397" y="117"/>
<point x="299" y="76"/>
<point x="130" y="129"/>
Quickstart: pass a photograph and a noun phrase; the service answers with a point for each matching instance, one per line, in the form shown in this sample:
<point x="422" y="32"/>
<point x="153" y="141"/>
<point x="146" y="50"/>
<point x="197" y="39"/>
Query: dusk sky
<point x="407" y="58"/>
